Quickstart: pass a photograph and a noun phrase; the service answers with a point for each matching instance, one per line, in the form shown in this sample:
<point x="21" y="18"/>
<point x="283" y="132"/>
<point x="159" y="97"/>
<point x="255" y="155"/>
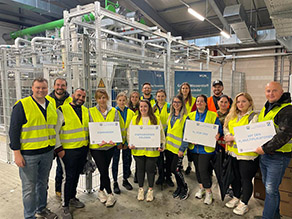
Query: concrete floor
<point x="127" y="206"/>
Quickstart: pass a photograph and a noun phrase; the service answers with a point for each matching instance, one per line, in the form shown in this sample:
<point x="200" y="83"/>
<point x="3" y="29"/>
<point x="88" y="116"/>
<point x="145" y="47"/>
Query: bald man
<point x="276" y="153"/>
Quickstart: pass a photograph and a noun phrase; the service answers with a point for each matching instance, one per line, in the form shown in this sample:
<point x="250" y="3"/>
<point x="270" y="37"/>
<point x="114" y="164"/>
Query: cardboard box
<point x="259" y="189"/>
<point x="286" y="185"/>
<point x="286" y="203"/>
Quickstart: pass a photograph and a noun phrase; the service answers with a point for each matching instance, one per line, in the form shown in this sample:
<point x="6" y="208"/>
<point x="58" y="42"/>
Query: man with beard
<point x="58" y="97"/>
<point x="72" y="122"/>
<point x="217" y="88"/>
<point x="146" y="90"/>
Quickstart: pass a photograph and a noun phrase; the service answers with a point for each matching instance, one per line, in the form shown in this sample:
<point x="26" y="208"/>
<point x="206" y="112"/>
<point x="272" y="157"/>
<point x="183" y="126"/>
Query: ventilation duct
<point x="237" y="19"/>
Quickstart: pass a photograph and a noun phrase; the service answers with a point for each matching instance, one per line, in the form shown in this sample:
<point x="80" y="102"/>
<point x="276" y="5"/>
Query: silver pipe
<point x="250" y="56"/>
<point x="254" y="49"/>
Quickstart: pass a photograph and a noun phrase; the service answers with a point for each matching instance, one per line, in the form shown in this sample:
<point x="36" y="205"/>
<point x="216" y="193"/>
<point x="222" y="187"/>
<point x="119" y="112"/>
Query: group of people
<point x="43" y="125"/>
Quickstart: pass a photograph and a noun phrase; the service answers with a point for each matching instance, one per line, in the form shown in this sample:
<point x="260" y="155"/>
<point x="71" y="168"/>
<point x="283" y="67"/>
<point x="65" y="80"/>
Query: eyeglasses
<point x="176" y="102"/>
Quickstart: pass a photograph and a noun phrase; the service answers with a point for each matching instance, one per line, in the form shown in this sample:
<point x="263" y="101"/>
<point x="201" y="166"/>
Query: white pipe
<point x="254" y="49"/>
<point x="35" y="39"/>
<point x="250" y="56"/>
<point x="18" y="40"/>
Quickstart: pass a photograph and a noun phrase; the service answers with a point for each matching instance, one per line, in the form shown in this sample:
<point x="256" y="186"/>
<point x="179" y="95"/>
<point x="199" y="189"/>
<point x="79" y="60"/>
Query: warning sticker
<point x="101" y="84"/>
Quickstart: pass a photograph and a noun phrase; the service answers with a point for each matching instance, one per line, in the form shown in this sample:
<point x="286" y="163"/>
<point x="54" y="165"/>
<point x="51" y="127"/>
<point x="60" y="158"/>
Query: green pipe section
<point x="38" y="29"/>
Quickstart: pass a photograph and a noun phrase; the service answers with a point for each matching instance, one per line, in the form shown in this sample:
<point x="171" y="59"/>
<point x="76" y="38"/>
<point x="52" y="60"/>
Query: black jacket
<point x="284" y="120"/>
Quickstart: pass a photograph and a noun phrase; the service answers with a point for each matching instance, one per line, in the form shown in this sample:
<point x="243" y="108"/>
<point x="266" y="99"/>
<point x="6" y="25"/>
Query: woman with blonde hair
<point x="125" y="118"/>
<point x="102" y="153"/>
<point x="245" y="165"/>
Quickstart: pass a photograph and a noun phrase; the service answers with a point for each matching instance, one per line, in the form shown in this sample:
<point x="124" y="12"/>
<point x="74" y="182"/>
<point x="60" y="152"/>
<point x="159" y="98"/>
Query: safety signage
<point x="101" y="84"/>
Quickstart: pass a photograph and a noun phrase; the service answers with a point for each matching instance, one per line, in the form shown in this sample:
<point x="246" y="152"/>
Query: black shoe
<point x="116" y="188"/>
<point x="176" y="192"/>
<point x="127" y="185"/>
<point x="159" y="181"/>
<point x="135" y="178"/>
<point x="169" y="182"/>
<point x="184" y="193"/>
<point x="188" y="170"/>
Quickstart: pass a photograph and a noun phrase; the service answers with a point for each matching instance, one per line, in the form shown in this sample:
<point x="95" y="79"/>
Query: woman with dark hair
<point x="223" y="104"/>
<point x="245" y="165"/>
<point x="146" y="157"/>
<point x="103" y="153"/>
<point x="203" y="154"/>
<point x="190" y="104"/>
<point x="175" y="146"/>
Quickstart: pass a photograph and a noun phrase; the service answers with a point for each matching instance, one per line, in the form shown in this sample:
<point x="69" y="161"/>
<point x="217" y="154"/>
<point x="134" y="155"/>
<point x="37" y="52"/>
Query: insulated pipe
<point x="33" y="41"/>
<point x="254" y="49"/>
<point x="250" y="56"/>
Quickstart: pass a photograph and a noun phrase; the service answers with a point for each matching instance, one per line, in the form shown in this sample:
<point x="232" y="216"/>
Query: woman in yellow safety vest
<point x="175" y="146"/>
<point x="161" y="109"/>
<point x="103" y="153"/>
<point x="222" y="112"/>
<point x="134" y="102"/>
<point x="126" y="116"/>
<point x="245" y="165"/>
<point x="190" y="103"/>
<point x="202" y="154"/>
<point x="146" y="157"/>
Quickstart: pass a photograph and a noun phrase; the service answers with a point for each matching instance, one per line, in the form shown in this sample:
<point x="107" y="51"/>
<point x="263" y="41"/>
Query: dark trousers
<point x="145" y="164"/>
<point x="127" y="160"/>
<point x="244" y="171"/>
<point x="202" y="166"/>
<point x="59" y="175"/>
<point x="173" y="166"/>
<point x="189" y="155"/>
<point x="72" y="164"/>
<point x="103" y="159"/>
<point x="162" y="167"/>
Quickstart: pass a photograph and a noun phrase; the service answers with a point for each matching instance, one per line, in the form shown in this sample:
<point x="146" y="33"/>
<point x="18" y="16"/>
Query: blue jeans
<point x="273" y="168"/>
<point x="34" y="177"/>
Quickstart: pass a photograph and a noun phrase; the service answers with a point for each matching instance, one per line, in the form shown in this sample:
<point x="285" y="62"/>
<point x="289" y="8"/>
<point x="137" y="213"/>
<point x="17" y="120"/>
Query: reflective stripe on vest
<point x="270" y="116"/>
<point x="124" y="127"/>
<point x="163" y="115"/>
<point x="96" y="116"/>
<point x="148" y="152"/>
<point x="210" y="118"/>
<point x="188" y="106"/>
<point x="175" y="135"/>
<point x="74" y="134"/>
<point x="245" y="120"/>
<point x="37" y="132"/>
<point x="53" y="101"/>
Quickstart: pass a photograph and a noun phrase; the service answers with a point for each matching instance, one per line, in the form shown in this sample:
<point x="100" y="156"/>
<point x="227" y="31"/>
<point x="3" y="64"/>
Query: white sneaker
<point x="111" y="200"/>
<point x="209" y="198"/>
<point x="241" y="209"/>
<point x="232" y="203"/>
<point x="149" y="196"/>
<point x="140" y="196"/>
<point x="102" y="196"/>
<point x="200" y="193"/>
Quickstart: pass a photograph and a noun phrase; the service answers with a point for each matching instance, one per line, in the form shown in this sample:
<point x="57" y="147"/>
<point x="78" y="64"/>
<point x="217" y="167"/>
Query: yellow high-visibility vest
<point x="175" y="135"/>
<point x="74" y="134"/>
<point x="270" y="116"/>
<point x="210" y="118"/>
<point x="38" y="132"/>
<point x="163" y="115"/>
<point x="53" y="101"/>
<point x="234" y="123"/>
<point x="98" y="117"/>
<point x="188" y="106"/>
<point x="152" y="101"/>
<point x="148" y="152"/>
<point x="124" y="126"/>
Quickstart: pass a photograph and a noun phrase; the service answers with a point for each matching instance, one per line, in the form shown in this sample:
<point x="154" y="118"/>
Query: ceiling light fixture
<point x="196" y="14"/>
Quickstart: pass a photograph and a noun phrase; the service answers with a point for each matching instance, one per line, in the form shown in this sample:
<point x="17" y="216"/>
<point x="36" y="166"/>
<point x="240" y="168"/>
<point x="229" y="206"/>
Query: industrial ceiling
<point x="243" y="19"/>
